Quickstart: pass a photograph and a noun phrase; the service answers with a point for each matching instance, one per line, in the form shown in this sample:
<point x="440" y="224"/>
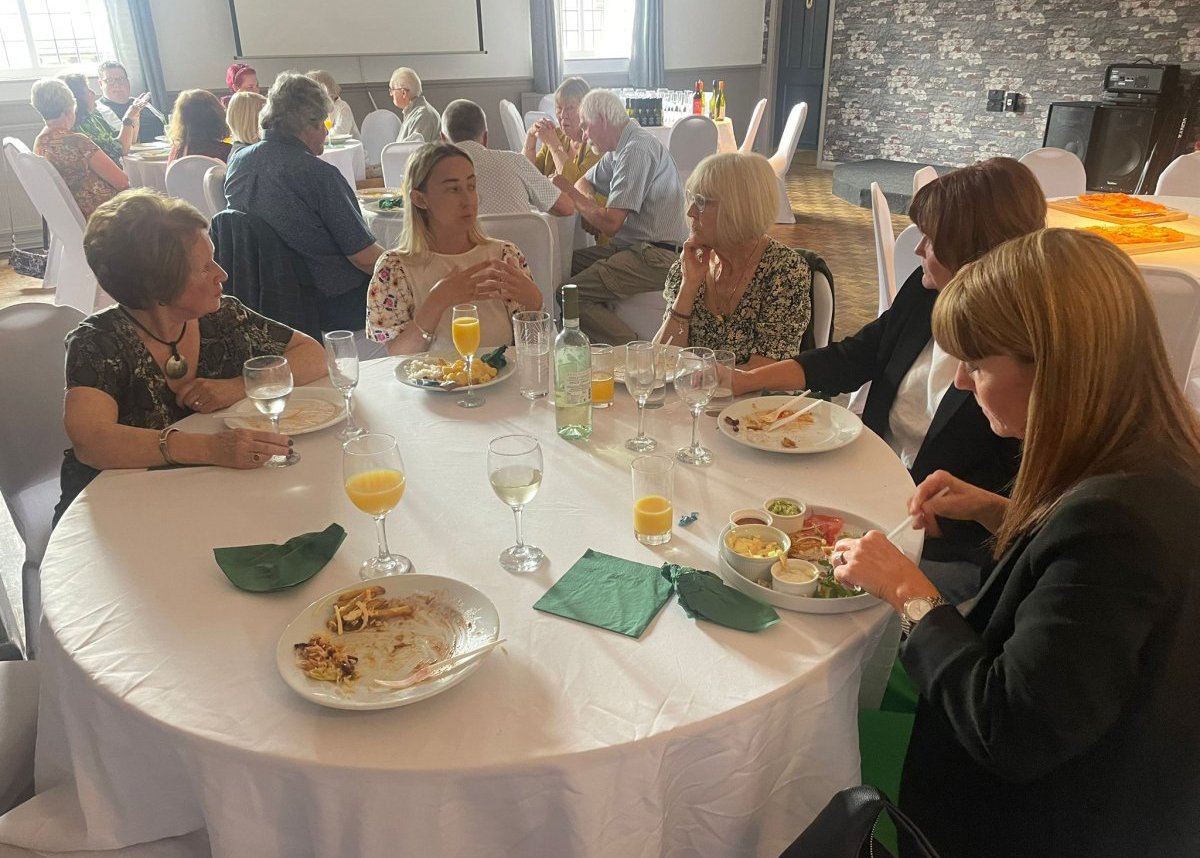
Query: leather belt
<point x="666" y="245"/>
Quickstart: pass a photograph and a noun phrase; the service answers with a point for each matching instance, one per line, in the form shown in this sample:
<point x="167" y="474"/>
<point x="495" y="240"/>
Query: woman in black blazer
<point x="1059" y="716"/>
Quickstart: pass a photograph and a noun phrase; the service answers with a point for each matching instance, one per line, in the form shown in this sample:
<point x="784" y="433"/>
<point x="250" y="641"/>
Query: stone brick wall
<point x="909" y="78"/>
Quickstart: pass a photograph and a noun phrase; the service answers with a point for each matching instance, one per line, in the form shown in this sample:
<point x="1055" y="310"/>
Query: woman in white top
<point x="341" y="117"/>
<point x="444" y="259"/>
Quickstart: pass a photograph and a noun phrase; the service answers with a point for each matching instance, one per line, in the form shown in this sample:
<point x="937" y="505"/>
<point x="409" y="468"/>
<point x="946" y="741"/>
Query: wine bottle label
<point x="576" y="388"/>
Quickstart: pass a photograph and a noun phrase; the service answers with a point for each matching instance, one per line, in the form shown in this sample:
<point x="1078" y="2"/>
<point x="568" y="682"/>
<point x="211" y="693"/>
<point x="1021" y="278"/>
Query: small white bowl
<point x="755" y="568"/>
<point x="787" y="523"/>
<point x="739" y="517"/>
<point x="794" y="577"/>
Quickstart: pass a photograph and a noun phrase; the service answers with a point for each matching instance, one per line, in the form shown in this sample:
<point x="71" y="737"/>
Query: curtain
<point x="647" y="59"/>
<point x="146" y="47"/>
<point x="547" y="56"/>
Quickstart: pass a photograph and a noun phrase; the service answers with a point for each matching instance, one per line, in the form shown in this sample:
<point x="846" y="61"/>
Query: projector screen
<point x="320" y="28"/>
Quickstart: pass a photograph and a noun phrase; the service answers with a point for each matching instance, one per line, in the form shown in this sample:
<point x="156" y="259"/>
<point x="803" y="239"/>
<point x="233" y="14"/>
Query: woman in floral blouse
<point x="91" y="123"/>
<point x="444" y="259"/>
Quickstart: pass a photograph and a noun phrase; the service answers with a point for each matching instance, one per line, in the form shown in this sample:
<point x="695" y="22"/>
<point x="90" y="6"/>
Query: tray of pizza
<point x="1117" y="208"/>
<point x="1145" y="238"/>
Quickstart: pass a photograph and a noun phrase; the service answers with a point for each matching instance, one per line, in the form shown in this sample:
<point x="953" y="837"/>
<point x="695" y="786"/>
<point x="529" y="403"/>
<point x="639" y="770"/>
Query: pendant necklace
<point x="176" y="366"/>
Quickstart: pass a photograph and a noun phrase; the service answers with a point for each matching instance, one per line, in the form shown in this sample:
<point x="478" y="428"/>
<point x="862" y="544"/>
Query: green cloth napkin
<point x="705" y="596"/>
<point x="606" y="591"/>
<point x="267" y="567"/>
<point x="495" y="359"/>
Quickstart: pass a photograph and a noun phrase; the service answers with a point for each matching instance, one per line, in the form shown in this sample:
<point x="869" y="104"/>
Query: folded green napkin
<point x="705" y="596"/>
<point x="267" y="567"/>
<point x="606" y="591"/>
<point x="495" y="359"/>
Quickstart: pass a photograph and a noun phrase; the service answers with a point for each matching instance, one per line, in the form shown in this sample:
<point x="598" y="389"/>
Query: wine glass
<point x="373" y="477"/>
<point x="465" y="329"/>
<point x="695" y="381"/>
<point x="640" y="358"/>
<point x="269" y="384"/>
<point x="341" y="356"/>
<point x="515" y="471"/>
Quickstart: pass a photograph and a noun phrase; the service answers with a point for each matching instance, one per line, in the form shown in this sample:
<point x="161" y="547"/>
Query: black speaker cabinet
<point x="1069" y="126"/>
<point x="1115" y="142"/>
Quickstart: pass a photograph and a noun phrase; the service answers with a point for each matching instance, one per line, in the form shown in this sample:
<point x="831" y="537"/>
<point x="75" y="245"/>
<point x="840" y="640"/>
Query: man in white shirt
<point x="506" y="181"/>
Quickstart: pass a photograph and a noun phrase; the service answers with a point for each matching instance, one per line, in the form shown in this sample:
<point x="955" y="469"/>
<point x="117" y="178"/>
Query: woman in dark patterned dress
<point x="734" y="287"/>
<point x="172" y="346"/>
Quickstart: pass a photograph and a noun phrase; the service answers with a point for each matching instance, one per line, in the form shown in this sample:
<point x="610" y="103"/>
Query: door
<point x="801" y="65"/>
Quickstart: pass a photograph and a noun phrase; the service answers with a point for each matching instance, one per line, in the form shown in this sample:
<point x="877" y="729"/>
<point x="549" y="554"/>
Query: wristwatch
<point x="915" y="610"/>
<point x="127" y="122"/>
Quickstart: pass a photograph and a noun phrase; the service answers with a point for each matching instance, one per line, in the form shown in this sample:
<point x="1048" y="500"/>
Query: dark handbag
<point x="845" y="829"/>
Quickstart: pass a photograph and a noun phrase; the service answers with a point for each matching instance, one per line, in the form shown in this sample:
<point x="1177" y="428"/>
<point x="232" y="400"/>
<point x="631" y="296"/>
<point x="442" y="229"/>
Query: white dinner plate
<point x="373" y="206"/>
<point x="156" y="154"/>
<point x="309" y="409"/>
<point x="402" y="375"/>
<point x="340" y="138"/>
<point x="668" y="353"/>
<point x="832" y="427"/>
<point x="149" y="147"/>
<point x="480" y="624"/>
<point x="366" y="194"/>
<point x="802" y="604"/>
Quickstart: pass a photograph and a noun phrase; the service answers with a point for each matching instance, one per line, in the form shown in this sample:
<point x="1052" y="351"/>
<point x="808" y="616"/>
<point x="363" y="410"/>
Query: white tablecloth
<point x="162" y="711"/>
<point x="145" y="173"/>
<point x="386" y="226"/>
<point x="725" y="138"/>
<point x="350" y="158"/>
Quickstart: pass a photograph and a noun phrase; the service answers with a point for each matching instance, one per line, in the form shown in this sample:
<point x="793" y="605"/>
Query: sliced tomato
<point x="830" y="526"/>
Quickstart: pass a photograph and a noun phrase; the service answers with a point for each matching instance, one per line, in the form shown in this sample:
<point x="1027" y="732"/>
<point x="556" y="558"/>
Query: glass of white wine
<point x="465" y="332"/>
<point x="374" y="479"/>
<point x="341" y="356"/>
<point x="515" y="471"/>
<point x="695" y="381"/>
<point x="269" y="384"/>
<point x="640" y="359"/>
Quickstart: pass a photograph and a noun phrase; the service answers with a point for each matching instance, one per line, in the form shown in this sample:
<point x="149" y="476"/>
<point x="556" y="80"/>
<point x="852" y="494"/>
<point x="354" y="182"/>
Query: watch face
<point x="917" y="608"/>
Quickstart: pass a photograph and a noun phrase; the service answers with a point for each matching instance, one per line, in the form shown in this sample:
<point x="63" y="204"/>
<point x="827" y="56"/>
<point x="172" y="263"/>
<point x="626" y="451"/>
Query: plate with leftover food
<point x="308" y="410"/>
<point x="826" y="427"/>
<point x="449" y="374"/>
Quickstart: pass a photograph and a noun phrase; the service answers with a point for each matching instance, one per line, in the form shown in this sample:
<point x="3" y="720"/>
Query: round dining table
<point x="147" y="168"/>
<point x="350" y="158"/>
<point x="163" y="711"/>
<point x="726" y="141"/>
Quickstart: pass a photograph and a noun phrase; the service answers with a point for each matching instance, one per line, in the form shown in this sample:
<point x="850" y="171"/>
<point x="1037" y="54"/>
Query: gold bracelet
<point x="162" y="444"/>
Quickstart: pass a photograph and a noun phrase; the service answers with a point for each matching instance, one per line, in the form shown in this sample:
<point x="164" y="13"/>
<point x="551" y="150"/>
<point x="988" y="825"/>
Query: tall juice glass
<point x="465" y="330"/>
<point x="652" y="490"/>
<point x="602" y="375"/>
<point x="374" y="479"/>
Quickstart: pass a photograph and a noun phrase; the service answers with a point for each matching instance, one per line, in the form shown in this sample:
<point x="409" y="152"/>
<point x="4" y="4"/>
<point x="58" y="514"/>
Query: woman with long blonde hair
<point x="1057" y="716"/>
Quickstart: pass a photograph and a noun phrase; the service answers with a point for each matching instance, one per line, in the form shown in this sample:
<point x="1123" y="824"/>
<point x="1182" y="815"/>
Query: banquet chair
<point x="67" y="271"/>
<point x="185" y="179"/>
<point x="514" y="126"/>
<point x="18" y="730"/>
<point x="31" y="388"/>
<point x="532" y="116"/>
<point x="1181" y="178"/>
<point x="904" y="257"/>
<point x="379" y="128"/>
<point x="546" y="105"/>
<point x="781" y="161"/>
<point x="822" y="310"/>
<point x="1059" y="172"/>
<point x="923" y="177"/>
<point x="692" y="139"/>
<point x="1176" y="296"/>
<point x="885" y="247"/>
<point x="214" y="188"/>
<point x="752" y="129"/>
<point x="534" y="234"/>
<point x="394" y="159"/>
<point x="643" y="312"/>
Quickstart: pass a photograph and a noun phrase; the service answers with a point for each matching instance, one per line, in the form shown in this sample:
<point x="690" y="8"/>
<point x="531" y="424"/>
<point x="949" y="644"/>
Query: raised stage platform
<point x="852" y="182"/>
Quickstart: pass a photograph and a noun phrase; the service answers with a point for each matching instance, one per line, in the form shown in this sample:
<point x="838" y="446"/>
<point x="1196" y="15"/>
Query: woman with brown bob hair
<point x="198" y="126"/>
<point x="172" y="346"/>
<point x="1057" y="717"/>
<point x="912" y="403"/>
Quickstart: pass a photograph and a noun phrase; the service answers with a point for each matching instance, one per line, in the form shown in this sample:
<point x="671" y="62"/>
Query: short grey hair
<point x="602" y="105"/>
<point x="326" y="80"/>
<point x="407" y="78"/>
<point x="463" y="120"/>
<point x="295" y="104"/>
<point x="571" y="91"/>
<point x="52" y="98"/>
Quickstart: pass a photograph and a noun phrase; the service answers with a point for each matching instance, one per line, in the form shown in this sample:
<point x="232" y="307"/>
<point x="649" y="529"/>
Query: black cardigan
<point x="959" y="439"/>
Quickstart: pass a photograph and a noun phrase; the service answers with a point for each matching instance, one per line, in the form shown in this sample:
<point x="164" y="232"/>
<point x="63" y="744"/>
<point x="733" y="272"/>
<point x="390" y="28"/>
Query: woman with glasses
<point x="734" y="287"/>
<point x="422" y="124"/>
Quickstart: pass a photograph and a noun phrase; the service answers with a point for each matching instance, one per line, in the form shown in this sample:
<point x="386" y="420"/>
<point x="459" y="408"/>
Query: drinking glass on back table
<point x="269" y="384"/>
<point x="341" y="356"/>
<point x="532" y="334"/>
<point x="641" y="359"/>
<point x="695" y="381"/>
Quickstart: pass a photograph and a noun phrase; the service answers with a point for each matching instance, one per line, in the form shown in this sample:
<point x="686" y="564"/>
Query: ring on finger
<point x="196" y="403"/>
<point x="257" y="457"/>
<point x="839" y="559"/>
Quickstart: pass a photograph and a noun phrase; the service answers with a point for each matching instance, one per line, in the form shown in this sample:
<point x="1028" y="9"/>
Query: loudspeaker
<point x="1122" y="142"/>
<point x="1069" y="126"/>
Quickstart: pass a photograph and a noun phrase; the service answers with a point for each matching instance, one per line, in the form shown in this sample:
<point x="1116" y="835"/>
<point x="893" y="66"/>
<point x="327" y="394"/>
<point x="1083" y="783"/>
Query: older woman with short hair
<point x="198" y="126"/>
<point x="341" y="118"/>
<point x="91" y="123"/>
<point x="421" y="124"/>
<point x="88" y="172"/>
<point x="242" y="116"/>
<point x="733" y="286"/>
<point x="565" y="150"/>
<point x="172" y="346"/>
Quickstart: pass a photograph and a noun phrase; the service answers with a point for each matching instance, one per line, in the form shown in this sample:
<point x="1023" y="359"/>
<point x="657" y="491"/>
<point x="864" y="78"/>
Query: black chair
<point x="845" y="829"/>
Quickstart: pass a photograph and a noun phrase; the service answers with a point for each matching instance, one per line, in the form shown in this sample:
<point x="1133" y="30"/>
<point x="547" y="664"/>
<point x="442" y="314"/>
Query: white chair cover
<point x="781" y="161"/>
<point x="514" y="126"/>
<point x="31" y="388"/>
<point x="546" y="105"/>
<point x="395" y="162"/>
<point x="885" y="247"/>
<point x="752" y="129"/>
<point x="1059" y="172"/>
<point x="1176" y="296"/>
<point x="379" y="128"/>
<point x="923" y="177"/>
<point x="214" y="189"/>
<point x="642" y="312"/>
<point x="67" y="271"/>
<point x="534" y="234"/>
<point x="692" y="139"/>
<point x="1181" y="178"/>
<point x="822" y="310"/>
<point x="18" y="730"/>
<point x="185" y="179"/>
<point x="532" y="116"/>
<point x="904" y="256"/>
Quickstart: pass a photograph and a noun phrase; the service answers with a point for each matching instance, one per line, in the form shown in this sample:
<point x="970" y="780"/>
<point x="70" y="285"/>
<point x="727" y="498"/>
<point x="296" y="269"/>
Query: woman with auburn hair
<point x="198" y="126"/>
<point x="1057" y="717"/>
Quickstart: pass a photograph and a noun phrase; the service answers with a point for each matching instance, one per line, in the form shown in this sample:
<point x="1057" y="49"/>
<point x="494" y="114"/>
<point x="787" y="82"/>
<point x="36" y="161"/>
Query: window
<point x="45" y="36"/>
<point x="596" y="29"/>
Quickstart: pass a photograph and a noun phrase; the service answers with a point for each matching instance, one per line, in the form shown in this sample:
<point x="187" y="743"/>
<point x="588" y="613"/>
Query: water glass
<point x="533" y="334"/>
<point x="641" y="358"/>
<point x="515" y="471"/>
<point x="602" y="375"/>
<point x="341" y="357"/>
<point x="268" y="382"/>
<point x="374" y="479"/>
<point x="464" y="329"/>
<point x="695" y="381"/>
<point x="658" y="393"/>
<point x="652" y="491"/>
<point x="723" y="395"/>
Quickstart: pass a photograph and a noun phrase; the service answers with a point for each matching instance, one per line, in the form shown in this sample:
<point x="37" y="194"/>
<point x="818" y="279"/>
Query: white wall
<point x="712" y="33"/>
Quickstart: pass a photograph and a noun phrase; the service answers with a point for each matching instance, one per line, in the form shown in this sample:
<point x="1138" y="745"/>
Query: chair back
<point x="923" y="177"/>
<point x="885" y="247"/>
<point x="214" y="188"/>
<point x="185" y="179"/>
<point x="822" y="309"/>
<point x="19" y="682"/>
<point x="692" y="139"/>
<point x="904" y="256"/>
<point x="642" y="312"/>
<point x="1181" y="178"/>
<point x="534" y="234"/>
<point x="752" y="129"/>
<point x="546" y="105"/>
<point x="1176" y="296"/>
<point x="379" y="128"/>
<point x="1059" y="172"/>
<point x="395" y="162"/>
<point x="514" y="126"/>
<point x="534" y="116"/>
<point x="781" y="161"/>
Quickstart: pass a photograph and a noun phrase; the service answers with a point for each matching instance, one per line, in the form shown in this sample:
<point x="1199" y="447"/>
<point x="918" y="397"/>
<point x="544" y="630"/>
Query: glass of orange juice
<point x="373" y="476"/>
<point x="328" y="124"/>
<point x="652" y="482"/>
<point x="464" y="327"/>
<point x="602" y="375"/>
